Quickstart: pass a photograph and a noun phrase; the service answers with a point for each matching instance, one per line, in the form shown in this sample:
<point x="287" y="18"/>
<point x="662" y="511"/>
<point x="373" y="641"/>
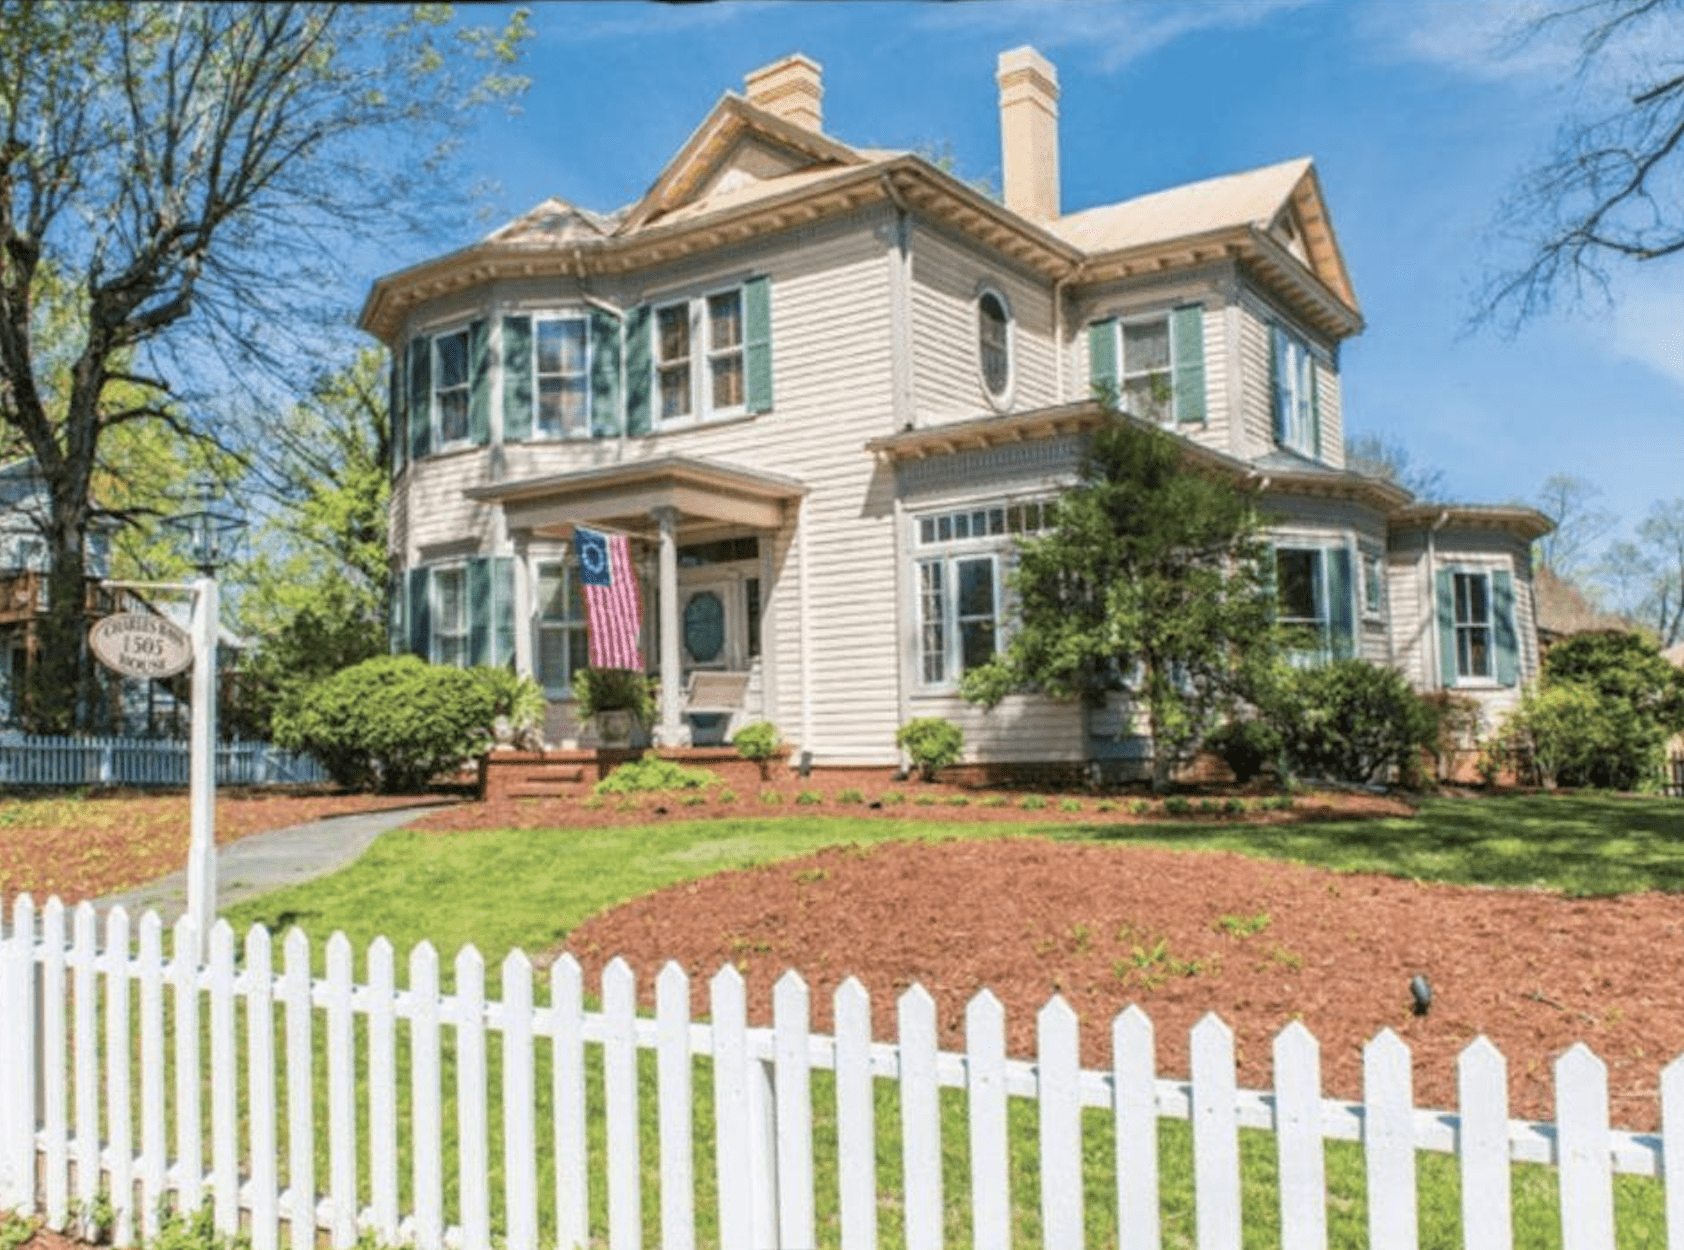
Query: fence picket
<point x="119" y="1127"/>
<point x="84" y="966"/>
<point x="920" y="1113"/>
<point x="1135" y="1110"/>
<point x="1672" y="1157"/>
<point x="619" y="1083"/>
<point x="473" y="1165"/>
<point x="45" y="760"/>
<point x="382" y="1092"/>
<point x="1059" y="1093"/>
<point x="674" y="1085"/>
<point x="53" y="1067"/>
<point x="520" y="1138"/>
<point x="1483" y="1098"/>
<point x="184" y="999"/>
<point x="1298" y="1139"/>
<point x="225" y="1164"/>
<point x="301" y="1077"/>
<point x="1587" y="1183"/>
<point x="340" y="1044"/>
<point x="1216" y="1136"/>
<point x="153" y="1161"/>
<point x="260" y="1091"/>
<point x="1389" y="1142"/>
<point x="985" y="1064"/>
<point x="791" y="1017"/>
<point x="572" y="1189"/>
<point x="425" y="1116"/>
<point x="17" y="1097"/>
<point x="856" y="1118"/>
<point x="735" y="1165"/>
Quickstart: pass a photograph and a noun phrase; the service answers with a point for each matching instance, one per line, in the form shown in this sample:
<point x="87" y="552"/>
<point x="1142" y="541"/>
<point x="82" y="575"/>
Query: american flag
<point x="612" y="608"/>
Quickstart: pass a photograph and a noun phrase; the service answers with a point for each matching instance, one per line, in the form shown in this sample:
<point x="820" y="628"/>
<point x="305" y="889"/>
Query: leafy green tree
<point x="315" y="591"/>
<point x="1155" y="582"/>
<point x="189" y="172"/>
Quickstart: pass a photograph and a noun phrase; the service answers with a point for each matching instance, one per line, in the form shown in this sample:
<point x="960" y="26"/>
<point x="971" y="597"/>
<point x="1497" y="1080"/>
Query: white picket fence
<point x="31" y="760"/>
<point x="69" y="1103"/>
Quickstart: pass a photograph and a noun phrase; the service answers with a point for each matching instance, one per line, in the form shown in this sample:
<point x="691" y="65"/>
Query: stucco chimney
<point x="793" y="88"/>
<point x="1029" y="132"/>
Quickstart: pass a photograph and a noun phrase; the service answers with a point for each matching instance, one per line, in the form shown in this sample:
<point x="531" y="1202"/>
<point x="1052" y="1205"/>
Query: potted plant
<point x="616" y="699"/>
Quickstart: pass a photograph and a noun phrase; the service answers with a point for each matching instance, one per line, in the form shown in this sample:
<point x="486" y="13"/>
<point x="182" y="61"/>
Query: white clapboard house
<point x="824" y="388"/>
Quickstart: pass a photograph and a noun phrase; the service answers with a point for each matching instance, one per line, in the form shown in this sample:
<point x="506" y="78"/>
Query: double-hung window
<point x="708" y="383"/>
<point x="963" y="559"/>
<point x="563" y="647"/>
<point x="450" y="616"/>
<point x="1373" y="585"/>
<point x="560" y="360"/>
<point x="1313" y="589"/>
<point x="450" y="386"/>
<point x="1296" y="408"/>
<point x="1472" y="609"/>
<point x="1152" y="366"/>
<point x="1477" y="641"/>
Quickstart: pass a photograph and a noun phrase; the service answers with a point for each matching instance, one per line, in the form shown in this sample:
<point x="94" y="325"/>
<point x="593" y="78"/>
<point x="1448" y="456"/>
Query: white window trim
<point x="1167" y="417"/>
<point x="1364" y="557"/>
<point x="539" y="434"/>
<point x="700" y="359"/>
<point x="540" y="623"/>
<point x="1001" y="400"/>
<point x="1475" y="681"/>
<point x="1300" y="384"/>
<point x="435" y="410"/>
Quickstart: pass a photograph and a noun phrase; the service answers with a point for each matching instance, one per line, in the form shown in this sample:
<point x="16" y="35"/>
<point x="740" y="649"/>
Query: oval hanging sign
<point x="138" y="644"/>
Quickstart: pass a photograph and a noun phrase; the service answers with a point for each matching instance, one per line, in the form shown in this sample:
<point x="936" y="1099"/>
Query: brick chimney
<point x="792" y="88"/>
<point x="1029" y="133"/>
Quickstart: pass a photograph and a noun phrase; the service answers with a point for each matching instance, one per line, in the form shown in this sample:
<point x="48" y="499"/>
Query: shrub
<point x="1233" y="806"/>
<point x="1032" y="802"/>
<point x="1350" y="721"/>
<point x="1455" y="728"/>
<point x="850" y="795"/>
<point x="1106" y="805"/>
<point x="1209" y="807"/>
<point x="992" y="800"/>
<point x="892" y="797"/>
<point x="1570" y="734"/>
<point x="727" y="795"/>
<point x="771" y="798"/>
<point x="758" y="742"/>
<point x="392" y="722"/>
<point x="1069" y="805"/>
<point x="924" y="800"/>
<point x="1140" y="807"/>
<point x="809" y="798"/>
<point x="652" y="773"/>
<point x="957" y="800"/>
<point x="932" y="742"/>
<point x="1176" y="805"/>
<point x="1245" y="745"/>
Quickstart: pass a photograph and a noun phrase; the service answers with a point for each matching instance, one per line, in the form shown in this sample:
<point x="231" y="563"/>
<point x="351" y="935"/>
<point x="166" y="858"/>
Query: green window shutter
<point x="1279" y="367"/>
<point x="420" y="615"/>
<point x="479" y="383"/>
<point x="605" y="374"/>
<point x="1187" y="343"/>
<point x="502" y="611"/>
<point x="1315" y="404"/>
<point x="1341" y="623"/>
<point x="1102" y="361"/>
<point x="1445" y="596"/>
<point x="640" y="371"/>
<point x="397" y="427"/>
<point x="420" y="396"/>
<point x="757" y="344"/>
<point x="1503" y="627"/>
<point x="517" y="379"/>
<point x="479" y="611"/>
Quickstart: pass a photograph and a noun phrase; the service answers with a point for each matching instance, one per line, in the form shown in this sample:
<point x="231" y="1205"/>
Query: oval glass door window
<point x="704" y="627"/>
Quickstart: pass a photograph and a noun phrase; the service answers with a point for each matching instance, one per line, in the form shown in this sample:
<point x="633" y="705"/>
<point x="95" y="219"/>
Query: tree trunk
<point x="59" y="702"/>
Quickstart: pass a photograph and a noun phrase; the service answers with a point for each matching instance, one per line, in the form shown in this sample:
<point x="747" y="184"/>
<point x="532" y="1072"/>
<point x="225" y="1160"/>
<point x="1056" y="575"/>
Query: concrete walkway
<point x="262" y="862"/>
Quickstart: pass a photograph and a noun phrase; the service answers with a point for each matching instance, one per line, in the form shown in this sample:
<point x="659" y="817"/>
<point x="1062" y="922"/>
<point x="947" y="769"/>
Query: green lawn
<point x="502" y="889"/>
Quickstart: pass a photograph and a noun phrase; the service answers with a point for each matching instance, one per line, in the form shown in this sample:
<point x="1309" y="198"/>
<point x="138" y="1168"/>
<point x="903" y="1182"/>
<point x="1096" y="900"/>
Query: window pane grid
<point x="450" y="387"/>
<point x="1472" y="609"/>
<point x="560" y="363"/>
<point x="672" y="359"/>
<point x="563" y="646"/>
<point x="450" y="632"/>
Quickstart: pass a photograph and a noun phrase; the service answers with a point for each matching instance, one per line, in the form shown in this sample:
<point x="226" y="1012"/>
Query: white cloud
<point x="1116" y="32"/>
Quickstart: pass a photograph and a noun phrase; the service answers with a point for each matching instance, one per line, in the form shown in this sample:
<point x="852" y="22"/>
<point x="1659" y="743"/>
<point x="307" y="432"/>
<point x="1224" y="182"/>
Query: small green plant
<point x="992" y="800"/>
<point x="892" y="797"/>
<point x="771" y="798"/>
<point x="517" y="707"/>
<point x="1281" y="957"/>
<point x="1149" y="963"/>
<point x="694" y="800"/>
<point x="627" y="805"/>
<point x="1176" y="805"/>
<point x="99" y="1217"/>
<point x="597" y="690"/>
<point x="196" y="1230"/>
<point x="1233" y="805"/>
<point x="1241" y="926"/>
<point x="594" y="803"/>
<point x="15" y="1230"/>
<point x="850" y="795"/>
<point x="932" y="742"/>
<point x="726" y="795"/>
<point x="925" y="800"/>
<point x="1277" y="803"/>
<point x="758" y="742"/>
<point x="1080" y="937"/>
<point x="1140" y="807"/>
<point x="809" y="798"/>
<point x="1106" y="805"/>
<point x="1032" y="802"/>
<point x="652" y="774"/>
<point x="807" y="876"/>
<point x="1209" y="807"/>
<point x="957" y="800"/>
<point x="1069" y="805"/>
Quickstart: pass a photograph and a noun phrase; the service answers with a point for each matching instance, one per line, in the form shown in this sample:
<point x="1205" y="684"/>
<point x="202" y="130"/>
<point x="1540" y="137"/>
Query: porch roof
<point x="627" y="496"/>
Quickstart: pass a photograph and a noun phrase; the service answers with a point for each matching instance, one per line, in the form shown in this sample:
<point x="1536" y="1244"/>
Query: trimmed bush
<point x="1246" y="746"/>
<point x="392" y="723"/>
<point x="758" y="742"/>
<point x="1351" y="721"/>
<point x="651" y="773"/>
<point x="932" y="742"/>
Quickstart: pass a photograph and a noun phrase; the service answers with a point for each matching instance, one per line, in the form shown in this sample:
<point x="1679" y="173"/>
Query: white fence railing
<point x="280" y="1072"/>
<point x="51" y="761"/>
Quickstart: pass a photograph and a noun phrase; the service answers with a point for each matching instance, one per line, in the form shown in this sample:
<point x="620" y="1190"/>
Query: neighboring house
<point x="826" y="388"/>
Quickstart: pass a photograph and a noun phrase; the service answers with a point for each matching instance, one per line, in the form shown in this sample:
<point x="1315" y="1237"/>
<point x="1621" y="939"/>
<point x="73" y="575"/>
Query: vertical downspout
<point x="903" y="415"/>
<point x="1432" y="600"/>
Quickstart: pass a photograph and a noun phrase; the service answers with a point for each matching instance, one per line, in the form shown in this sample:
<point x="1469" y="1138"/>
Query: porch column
<point x="672" y="731"/>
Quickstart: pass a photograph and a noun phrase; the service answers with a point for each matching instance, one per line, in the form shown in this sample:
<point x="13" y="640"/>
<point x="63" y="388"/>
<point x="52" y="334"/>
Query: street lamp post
<point x="209" y="532"/>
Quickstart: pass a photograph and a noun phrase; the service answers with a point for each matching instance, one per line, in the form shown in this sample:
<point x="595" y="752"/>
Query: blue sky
<point x="1417" y="114"/>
